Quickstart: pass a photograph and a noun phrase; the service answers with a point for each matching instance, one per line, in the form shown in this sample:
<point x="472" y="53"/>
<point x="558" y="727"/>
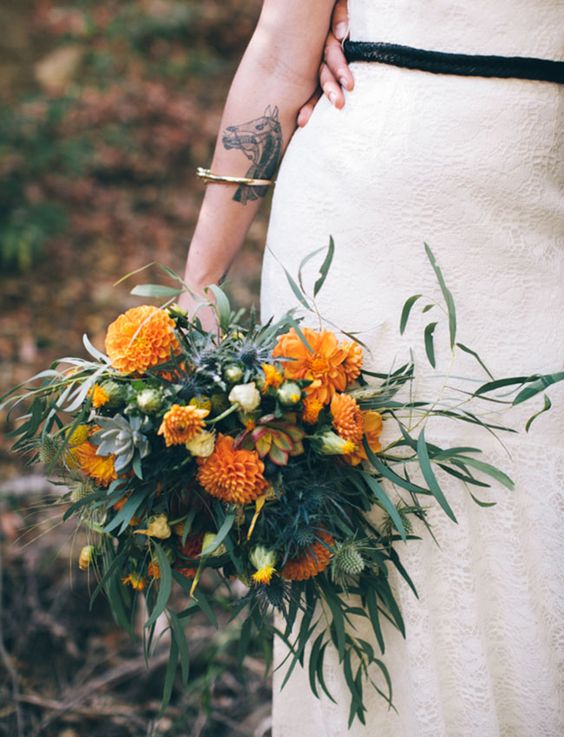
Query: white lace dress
<point x="475" y="168"/>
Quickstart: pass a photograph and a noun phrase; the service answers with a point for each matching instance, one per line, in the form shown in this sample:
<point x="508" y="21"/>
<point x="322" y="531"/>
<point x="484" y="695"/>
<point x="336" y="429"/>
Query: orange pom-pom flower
<point x="234" y="475"/>
<point x="141" y="338"/>
<point x="372" y="429"/>
<point x="312" y="562"/>
<point x="347" y="417"/>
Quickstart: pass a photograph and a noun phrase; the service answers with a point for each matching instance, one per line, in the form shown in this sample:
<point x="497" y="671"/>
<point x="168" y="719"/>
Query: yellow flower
<point x="158" y="527"/>
<point x="264" y="561"/>
<point x="181" y="424"/>
<point x="99" y="468"/>
<point x="78" y="435"/>
<point x="99" y="396"/>
<point x="136" y="581"/>
<point x="141" y="338"/>
<point x="234" y="475"/>
<point x="85" y="558"/>
<point x="272" y="377"/>
<point x="202" y="445"/>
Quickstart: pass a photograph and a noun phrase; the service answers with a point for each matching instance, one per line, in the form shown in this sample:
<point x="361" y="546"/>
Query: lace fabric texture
<point x="474" y="167"/>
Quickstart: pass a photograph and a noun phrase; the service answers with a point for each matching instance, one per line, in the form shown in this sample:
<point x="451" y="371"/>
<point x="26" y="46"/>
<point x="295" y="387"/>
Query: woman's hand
<point x="197" y="304"/>
<point x="334" y="73"/>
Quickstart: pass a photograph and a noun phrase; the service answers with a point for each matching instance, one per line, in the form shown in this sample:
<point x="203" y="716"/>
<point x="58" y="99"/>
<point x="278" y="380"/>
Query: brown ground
<point x="143" y="90"/>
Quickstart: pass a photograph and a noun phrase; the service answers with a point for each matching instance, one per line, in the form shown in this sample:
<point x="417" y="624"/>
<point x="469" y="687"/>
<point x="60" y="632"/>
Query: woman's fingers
<point x="331" y="88"/>
<point x="335" y="60"/>
<point x="340" y="20"/>
<point x="306" y="110"/>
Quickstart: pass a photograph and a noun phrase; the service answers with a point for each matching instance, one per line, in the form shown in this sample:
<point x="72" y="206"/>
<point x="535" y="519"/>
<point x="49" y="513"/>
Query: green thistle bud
<point x="304" y="536"/>
<point x="233" y="373"/>
<point x="347" y="560"/>
<point x="289" y="393"/>
<point x="114" y="392"/>
<point x="149" y="401"/>
<point x="219" y="403"/>
<point x="81" y="489"/>
<point x="49" y="450"/>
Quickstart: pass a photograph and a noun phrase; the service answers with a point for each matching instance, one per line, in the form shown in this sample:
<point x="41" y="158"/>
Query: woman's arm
<point x="277" y="74"/>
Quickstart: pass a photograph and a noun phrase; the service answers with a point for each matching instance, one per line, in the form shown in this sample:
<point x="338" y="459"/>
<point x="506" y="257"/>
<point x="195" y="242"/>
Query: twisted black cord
<point x="469" y="65"/>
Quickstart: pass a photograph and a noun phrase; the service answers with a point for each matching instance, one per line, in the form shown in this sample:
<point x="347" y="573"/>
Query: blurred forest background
<point x="106" y="108"/>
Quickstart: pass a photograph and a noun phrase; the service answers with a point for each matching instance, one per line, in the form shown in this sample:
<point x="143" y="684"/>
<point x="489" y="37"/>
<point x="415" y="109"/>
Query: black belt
<point x="469" y="65"/>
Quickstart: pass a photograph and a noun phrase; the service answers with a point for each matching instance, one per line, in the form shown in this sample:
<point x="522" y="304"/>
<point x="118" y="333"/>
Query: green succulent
<point x="122" y="437"/>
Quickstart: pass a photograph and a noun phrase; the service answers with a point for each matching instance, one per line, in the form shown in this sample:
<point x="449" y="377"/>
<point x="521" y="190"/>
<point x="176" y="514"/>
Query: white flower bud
<point x="149" y="400"/>
<point x="289" y="393"/>
<point x="202" y="445"/>
<point x="247" y="396"/>
<point x="329" y="443"/>
<point x="233" y="373"/>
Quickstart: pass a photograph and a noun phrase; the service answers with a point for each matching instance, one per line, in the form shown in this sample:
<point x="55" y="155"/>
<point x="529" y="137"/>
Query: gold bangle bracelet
<point x="208" y="177"/>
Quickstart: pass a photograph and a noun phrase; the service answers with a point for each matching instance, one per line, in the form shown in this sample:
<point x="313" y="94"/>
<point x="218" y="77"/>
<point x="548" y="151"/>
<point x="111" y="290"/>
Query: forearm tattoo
<point x="261" y="142"/>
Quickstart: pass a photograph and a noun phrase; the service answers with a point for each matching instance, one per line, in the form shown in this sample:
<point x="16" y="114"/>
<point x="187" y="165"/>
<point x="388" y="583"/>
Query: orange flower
<point x="372" y="428"/>
<point x="231" y="474"/>
<point x="136" y="581"/>
<point x="272" y="377"/>
<point x="312" y="408"/>
<point x="353" y="361"/>
<point x="153" y="570"/>
<point x="141" y="338"/>
<point x="99" y="468"/>
<point x="99" y="396"/>
<point x="312" y="562"/>
<point x="182" y="424"/>
<point x="347" y="417"/>
<point x="324" y="364"/>
<point x="191" y="549"/>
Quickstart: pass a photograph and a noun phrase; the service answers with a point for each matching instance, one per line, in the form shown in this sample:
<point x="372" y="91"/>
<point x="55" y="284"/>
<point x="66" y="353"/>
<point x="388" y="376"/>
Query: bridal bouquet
<point x="251" y="454"/>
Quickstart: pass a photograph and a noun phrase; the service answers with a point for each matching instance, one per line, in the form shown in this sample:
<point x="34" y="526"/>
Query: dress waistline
<point x="468" y="65"/>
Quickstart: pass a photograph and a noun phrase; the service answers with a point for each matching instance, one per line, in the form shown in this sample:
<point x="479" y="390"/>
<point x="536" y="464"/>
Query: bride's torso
<point x="501" y="27"/>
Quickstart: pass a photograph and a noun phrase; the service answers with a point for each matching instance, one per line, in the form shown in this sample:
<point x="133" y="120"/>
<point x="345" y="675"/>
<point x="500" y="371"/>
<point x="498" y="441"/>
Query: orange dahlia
<point x="234" y="475"/>
<point x="372" y="429"/>
<point x="323" y="365"/>
<point x="347" y="417"/>
<point x="141" y="338"/>
<point x="182" y="423"/>
<point x="191" y="549"/>
<point x="353" y="360"/>
<point x="312" y="562"/>
<point x="99" y="468"/>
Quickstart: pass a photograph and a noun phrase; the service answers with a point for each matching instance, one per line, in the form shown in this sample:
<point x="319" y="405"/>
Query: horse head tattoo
<point x="261" y="142"/>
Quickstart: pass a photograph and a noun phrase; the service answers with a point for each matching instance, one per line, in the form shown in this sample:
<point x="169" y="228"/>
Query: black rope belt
<point x="469" y="65"/>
